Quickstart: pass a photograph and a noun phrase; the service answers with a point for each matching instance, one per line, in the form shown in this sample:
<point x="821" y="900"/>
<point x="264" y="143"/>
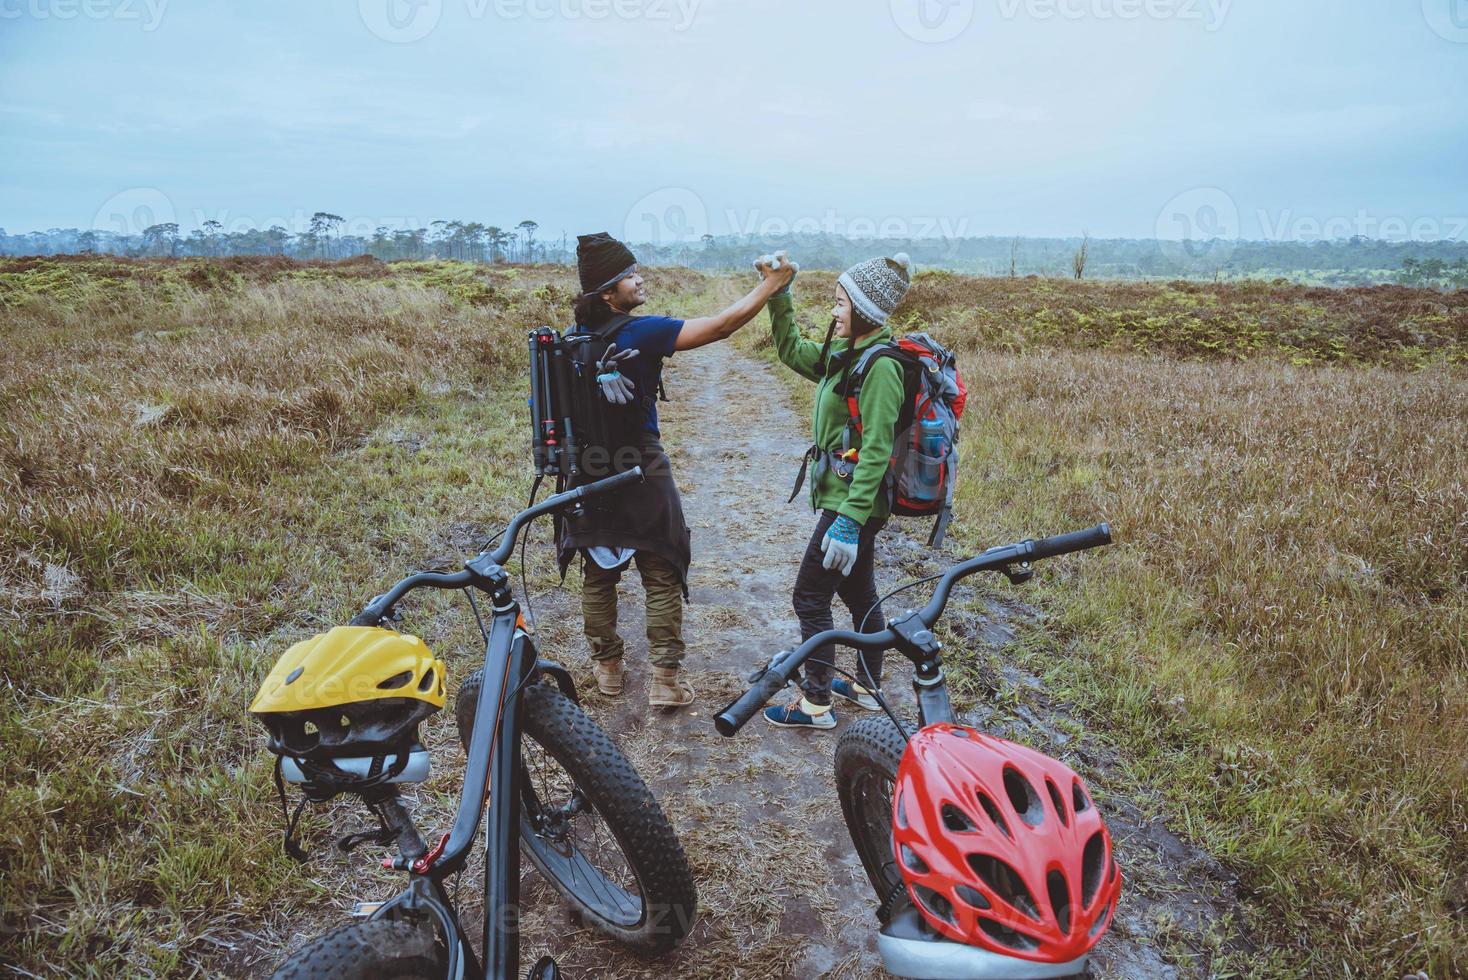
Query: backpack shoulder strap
<point x="905" y="358"/>
<point x="612" y="327"/>
<point x="858" y="373"/>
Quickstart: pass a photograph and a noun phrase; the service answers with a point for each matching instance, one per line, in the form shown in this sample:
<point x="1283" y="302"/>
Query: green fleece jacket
<point x="880" y="403"/>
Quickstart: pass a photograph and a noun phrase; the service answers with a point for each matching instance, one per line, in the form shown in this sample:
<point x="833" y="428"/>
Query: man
<point x="643" y="523"/>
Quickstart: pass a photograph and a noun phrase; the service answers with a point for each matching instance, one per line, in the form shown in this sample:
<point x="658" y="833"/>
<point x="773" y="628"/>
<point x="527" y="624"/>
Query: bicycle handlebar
<point x="557" y="502"/>
<point x="376" y="610"/>
<point x="783" y="666"/>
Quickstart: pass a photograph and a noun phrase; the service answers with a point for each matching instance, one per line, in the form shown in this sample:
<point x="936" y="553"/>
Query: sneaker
<point x="796" y="714"/>
<point x="855" y="693"/>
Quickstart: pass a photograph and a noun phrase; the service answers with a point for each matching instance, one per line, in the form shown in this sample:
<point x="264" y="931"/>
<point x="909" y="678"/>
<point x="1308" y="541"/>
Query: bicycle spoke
<point x="576" y="844"/>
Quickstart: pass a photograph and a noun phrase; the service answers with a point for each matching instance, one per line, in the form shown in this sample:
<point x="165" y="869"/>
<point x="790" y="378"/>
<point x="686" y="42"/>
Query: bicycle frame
<point x="492" y="774"/>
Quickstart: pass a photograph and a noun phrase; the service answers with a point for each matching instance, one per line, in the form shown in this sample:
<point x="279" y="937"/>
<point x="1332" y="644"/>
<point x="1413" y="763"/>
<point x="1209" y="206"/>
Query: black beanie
<point x="600" y="258"/>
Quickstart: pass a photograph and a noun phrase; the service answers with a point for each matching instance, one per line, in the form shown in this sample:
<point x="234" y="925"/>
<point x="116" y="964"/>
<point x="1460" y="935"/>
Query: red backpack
<point x="924" y="464"/>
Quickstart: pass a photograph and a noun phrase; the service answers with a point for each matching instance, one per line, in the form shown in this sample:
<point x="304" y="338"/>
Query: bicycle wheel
<point x="591" y="826"/>
<point x="369" y="950"/>
<point x="866" y="770"/>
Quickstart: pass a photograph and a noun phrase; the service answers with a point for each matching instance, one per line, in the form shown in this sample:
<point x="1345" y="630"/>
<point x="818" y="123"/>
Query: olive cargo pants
<point x="664" y="589"/>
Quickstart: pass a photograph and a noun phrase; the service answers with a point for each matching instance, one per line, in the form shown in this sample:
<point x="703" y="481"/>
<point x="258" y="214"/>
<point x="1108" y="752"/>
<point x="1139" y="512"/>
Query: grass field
<point x="197" y="468"/>
<point x="1278" y="643"/>
<point x="203" y="460"/>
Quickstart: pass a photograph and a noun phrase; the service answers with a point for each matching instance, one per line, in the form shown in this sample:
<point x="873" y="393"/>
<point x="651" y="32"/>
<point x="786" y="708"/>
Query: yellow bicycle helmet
<point x="356" y="691"/>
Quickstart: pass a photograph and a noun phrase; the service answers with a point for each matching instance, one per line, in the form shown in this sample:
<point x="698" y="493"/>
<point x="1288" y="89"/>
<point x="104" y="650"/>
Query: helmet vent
<point x="1006" y="936"/>
<point x="1058" y="801"/>
<point x="396" y="681"/>
<point x="1059" y="895"/>
<point x="902" y="810"/>
<point x="1005" y="882"/>
<point x="1078" y="797"/>
<point x="295" y="674"/>
<point x="972" y="896"/>
<point x="991" y="810"/>
<point x="957" y="821"/>
<point x="914" y="863"/>
<point x="935" y="903"/>
<point x="1102" y="919"/>
<point x="1023" y="798"/>
<point x="1093" y="864"/>
<point x="426" y="684"/>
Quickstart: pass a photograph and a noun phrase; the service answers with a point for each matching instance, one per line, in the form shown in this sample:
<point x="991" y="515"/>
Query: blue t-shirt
<point x="654" y="338"/>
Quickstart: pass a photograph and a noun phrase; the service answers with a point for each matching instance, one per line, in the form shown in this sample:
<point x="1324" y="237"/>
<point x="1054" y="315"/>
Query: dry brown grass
<point x="1393" y="325"/>
<point x="1278" y="640"/>
<point x="193" y="457"/>
<point x="188" y="476"/>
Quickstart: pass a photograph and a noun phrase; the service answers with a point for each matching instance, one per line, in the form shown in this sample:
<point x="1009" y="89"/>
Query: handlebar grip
<point x="741" y="709"/>
<point x="634" y="475"/>
<point x="371" y="614"/>
<point x="1063" y="544"/>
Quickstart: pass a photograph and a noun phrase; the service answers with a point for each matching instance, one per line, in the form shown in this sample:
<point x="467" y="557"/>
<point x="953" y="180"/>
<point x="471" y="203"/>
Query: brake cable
<point x="469" y="594"/>
<point x="524" y="538"/>
<point x="870" y="684"/>
<point x="901" y="588"/>
<point x="534" y="489"/>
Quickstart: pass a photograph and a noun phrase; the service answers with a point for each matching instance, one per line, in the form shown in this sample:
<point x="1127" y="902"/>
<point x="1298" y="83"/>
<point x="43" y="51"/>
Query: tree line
<point x="323" y="238"/>
<point x="1353" y="261"/>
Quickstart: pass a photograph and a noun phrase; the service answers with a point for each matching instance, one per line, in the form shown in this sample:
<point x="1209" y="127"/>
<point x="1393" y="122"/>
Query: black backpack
<point x="578" y="436"/>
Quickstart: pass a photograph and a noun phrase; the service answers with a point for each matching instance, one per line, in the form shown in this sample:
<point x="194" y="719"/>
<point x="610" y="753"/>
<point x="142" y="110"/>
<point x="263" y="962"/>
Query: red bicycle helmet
<point x="1000" y="847"/>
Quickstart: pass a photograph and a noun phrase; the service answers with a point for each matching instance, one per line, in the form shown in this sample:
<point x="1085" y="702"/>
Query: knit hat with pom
<point x="876" y="286"/>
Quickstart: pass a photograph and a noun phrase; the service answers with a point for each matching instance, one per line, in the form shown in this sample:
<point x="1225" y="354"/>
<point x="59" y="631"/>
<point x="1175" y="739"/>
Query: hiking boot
<point x="855" y="693"/>
<point x="669" y="688"/>
<point x="800" y="713"/>
<point x="608" y="674"/>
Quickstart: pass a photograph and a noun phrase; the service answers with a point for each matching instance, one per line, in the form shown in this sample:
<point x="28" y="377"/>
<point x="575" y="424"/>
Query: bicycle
<point x="549" y="774"/>
<point x="939" y="852"/>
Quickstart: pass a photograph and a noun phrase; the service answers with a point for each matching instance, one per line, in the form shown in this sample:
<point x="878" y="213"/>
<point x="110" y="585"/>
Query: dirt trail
<point x="781" y="889"/>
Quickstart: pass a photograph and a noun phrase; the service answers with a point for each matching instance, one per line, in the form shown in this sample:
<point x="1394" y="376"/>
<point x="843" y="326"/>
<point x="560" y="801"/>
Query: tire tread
<point x="624" y="801"/>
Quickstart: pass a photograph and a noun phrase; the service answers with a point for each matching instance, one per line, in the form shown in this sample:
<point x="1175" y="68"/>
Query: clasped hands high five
<point x="777" y="269"/>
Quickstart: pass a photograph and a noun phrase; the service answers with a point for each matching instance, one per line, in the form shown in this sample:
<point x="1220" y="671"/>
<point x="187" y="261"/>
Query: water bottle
<point x="930" y="468"/>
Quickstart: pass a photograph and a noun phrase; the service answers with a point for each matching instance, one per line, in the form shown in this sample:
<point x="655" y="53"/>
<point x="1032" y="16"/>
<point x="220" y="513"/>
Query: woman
<point x="850" y="499"/>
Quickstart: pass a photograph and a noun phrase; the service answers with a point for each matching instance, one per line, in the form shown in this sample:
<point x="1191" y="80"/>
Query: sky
<point x="662" y="120"/>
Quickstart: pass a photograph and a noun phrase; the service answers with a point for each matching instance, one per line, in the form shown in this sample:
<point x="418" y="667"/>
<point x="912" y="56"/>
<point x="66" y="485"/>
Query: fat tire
<point x="622" y="798"/>
<point x="870" y="749"/>
<point x="379" y="949"/>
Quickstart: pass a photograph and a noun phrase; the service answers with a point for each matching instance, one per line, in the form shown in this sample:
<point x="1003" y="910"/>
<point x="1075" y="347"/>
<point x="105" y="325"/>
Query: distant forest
<point x="1354" y="261"/>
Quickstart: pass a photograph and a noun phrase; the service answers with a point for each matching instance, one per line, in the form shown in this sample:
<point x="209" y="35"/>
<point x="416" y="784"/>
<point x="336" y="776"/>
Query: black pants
<point x="814" y="588"/>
